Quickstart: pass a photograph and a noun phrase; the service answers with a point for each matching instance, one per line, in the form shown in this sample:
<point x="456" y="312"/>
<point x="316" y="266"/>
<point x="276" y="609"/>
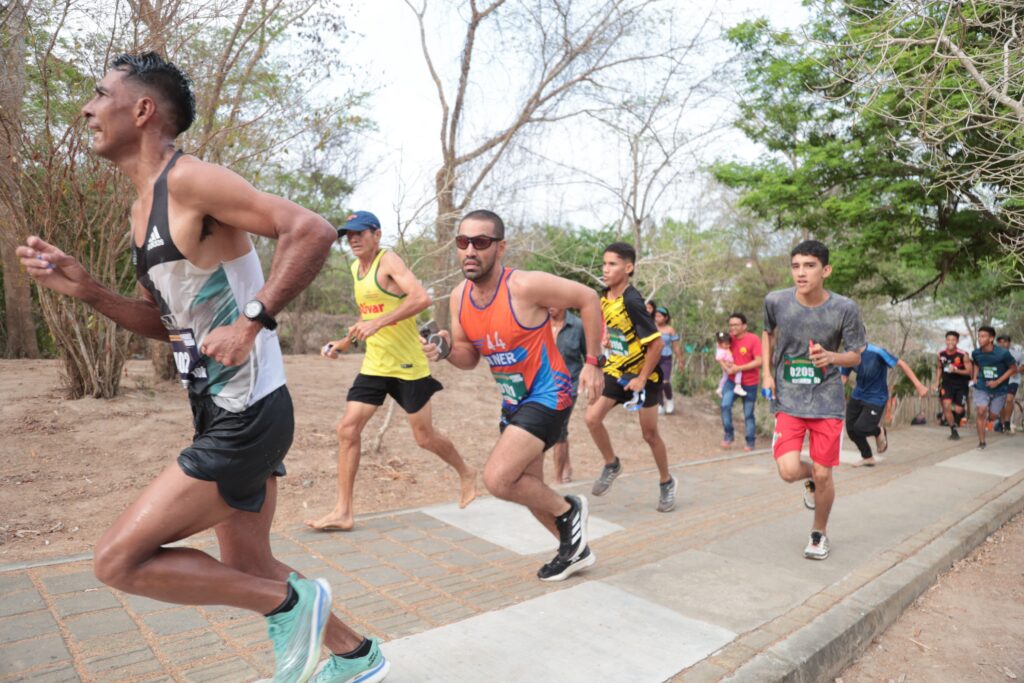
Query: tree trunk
<point x="445" y="228"/>
<point x="21" y="329"/>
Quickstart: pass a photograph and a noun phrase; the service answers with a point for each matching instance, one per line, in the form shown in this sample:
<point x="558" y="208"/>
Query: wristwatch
<point x="599" y="361"/>
<point x="255" y="310"/>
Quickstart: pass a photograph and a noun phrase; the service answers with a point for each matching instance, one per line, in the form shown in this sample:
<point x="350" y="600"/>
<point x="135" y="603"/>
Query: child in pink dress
<point x="723" y="355"/>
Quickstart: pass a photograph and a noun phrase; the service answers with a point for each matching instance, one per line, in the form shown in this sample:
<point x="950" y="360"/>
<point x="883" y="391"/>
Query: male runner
<point x="993" y="367"/>
<point x="630" y="371"/>
<point x="745" y="347"/>
<point x="804" y="329"/>
<point x="502" y="314"/>
<point x="572" y="345"/>
<point x="953" y="380"/>
<point x="1012" y="385"/>
<point x="866" y="406"/>
<point x="389" y="296"/>
<point x="204" y="292"/>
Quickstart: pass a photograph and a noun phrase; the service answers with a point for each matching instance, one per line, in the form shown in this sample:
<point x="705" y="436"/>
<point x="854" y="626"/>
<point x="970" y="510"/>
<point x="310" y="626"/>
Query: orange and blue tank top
<point x="524" y="361"/>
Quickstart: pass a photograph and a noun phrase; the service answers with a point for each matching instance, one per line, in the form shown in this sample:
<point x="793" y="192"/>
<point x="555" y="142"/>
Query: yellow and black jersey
<point x="630" y="329"/>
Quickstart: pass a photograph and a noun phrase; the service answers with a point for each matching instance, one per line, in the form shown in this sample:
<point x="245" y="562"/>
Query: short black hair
<point x="743" y="318"/>
<point x="987" y="328"/>
<point x="954" y="333"/>
<point x="624" y="250"/>
<point x="489" y="216"/>
<point x="1004" y="337"/>
<point x="167" y="80"/>
<point x="811" y="248"/>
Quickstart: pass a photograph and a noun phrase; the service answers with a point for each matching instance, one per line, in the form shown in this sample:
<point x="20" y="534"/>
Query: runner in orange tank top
<point x="502" y="315"/>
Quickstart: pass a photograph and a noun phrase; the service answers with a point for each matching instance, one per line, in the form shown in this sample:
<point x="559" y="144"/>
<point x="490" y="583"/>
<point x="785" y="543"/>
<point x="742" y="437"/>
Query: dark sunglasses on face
<point x="479" y="242"/>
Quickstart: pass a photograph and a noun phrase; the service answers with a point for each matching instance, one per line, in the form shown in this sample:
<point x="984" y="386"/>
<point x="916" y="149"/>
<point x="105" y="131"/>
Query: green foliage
<point x="842" y="171"/>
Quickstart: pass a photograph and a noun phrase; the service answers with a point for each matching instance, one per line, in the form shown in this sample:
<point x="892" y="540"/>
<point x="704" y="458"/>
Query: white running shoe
<point x="817" y="546"/>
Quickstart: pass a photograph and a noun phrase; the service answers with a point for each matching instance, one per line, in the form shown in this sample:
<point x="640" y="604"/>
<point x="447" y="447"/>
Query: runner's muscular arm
<point x="53" y="269"/>
<point x="304" y="240"/>
<point x="767" y="378"/>
<point x="415" y="300"/>
<point x="544" y="291"/>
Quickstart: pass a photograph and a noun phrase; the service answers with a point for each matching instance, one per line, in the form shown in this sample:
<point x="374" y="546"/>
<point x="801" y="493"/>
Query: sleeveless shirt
<point x="394" y="350"/>
<point x="524" y="361"/>
<point x="194" y="300"/>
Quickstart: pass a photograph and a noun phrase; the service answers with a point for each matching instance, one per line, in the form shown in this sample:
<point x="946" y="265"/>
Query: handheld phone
<point x="637" y="401"/>
<point x="431" y="333"/>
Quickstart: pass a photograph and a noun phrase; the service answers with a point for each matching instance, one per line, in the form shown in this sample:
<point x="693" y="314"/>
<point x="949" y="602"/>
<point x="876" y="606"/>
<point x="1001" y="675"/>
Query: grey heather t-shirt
<point x="801" y="390"/>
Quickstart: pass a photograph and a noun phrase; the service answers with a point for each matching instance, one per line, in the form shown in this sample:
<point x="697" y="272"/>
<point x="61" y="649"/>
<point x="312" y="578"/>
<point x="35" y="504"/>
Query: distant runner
<point x="993" y="367"/>
<point x="389" y="296"/>
<point x="631" y="372"/>
<point x="954" y="377"/>
<point x="501" y="314"/>
<point x="866" y="407"/>
<point x="1012" y="386"/>
<point x="804" y="329"/>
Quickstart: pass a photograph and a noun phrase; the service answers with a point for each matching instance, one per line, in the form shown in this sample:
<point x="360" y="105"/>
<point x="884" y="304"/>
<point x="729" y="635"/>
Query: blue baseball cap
<point x="359" y="221"/>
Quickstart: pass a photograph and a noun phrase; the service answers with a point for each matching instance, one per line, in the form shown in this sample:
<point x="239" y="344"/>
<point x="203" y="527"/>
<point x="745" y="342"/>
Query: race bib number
<point x="512" y="386"/>
<point x="186" y="356"/>
<point x="617" y="343"/>
<point x="989" y="372"/>
<point x="801" y="371"/>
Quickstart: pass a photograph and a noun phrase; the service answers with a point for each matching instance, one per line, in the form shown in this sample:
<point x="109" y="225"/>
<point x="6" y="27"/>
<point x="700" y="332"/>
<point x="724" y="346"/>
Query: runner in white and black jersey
<point x="204" y="292"/>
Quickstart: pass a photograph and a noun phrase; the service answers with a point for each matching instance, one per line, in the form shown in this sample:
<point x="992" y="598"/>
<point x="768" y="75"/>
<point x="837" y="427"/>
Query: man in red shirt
<point x="746" y="355"/>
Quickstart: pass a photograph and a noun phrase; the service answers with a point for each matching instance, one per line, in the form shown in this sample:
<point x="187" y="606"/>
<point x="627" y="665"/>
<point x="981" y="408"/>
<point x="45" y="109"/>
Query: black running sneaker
<point x="981" y="445"/>
<point x="560" y="568"/>
<point x="954" y="435"/>
<point x="572" y="528"/>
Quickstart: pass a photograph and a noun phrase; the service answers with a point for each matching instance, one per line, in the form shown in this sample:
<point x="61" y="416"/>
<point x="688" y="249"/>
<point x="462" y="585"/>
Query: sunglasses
<point x="479" y="242"/>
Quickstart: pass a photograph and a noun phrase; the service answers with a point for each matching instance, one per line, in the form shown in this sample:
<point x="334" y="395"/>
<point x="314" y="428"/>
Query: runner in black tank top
<point x="204" y="291"/>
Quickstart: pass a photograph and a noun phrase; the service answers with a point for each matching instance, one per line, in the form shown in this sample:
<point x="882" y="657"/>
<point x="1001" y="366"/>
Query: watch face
<point x="253" y="309"/>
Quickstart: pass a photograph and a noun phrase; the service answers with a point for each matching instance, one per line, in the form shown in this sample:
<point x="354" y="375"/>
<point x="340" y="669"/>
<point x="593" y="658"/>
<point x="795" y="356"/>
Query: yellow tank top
<point x="394" y="350"/>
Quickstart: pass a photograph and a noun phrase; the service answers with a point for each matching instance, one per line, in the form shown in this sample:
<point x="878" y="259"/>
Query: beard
<point x="483" y="270"/>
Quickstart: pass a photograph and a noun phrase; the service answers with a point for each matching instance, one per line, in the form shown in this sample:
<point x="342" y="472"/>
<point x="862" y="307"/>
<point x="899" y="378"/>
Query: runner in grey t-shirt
<point x="802" y="390"/>
<point x="809" y="333"/>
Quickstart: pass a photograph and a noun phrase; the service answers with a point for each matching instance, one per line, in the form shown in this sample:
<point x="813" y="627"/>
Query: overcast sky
<point x="402" y="155"/>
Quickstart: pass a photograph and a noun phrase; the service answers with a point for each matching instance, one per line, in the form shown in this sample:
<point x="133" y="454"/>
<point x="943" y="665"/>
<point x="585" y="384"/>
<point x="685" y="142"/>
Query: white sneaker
<point x="718" y="392"/>
<point x="661" y="410"/>
<point x="670" y="406"/>
<point x="817" y="546"/>
<point x="739" y="391"/>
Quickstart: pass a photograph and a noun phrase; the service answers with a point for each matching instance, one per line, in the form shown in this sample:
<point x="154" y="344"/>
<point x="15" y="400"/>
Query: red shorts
<point x="826" y="437"/>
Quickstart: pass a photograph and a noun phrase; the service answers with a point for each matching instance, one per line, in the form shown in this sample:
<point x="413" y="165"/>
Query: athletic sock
<point x="290" y="601"/>
<point x="361" y="651"/>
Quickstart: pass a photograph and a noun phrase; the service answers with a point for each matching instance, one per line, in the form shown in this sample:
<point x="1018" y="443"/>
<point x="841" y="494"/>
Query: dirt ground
<point x="969" y="626"/>
<point x="70" y="467"/>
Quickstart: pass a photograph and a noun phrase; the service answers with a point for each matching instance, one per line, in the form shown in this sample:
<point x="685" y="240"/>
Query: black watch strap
<point x="255" y="310"/>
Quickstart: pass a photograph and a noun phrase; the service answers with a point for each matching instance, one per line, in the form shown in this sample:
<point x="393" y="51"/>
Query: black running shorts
<point x="240" y="451"/>
<point x="564" y="434"/>
<point x="618" y="393"/>
<point x="542" y="422"/>
<point x="411" y="394"/>
<point x="956" y="394"/>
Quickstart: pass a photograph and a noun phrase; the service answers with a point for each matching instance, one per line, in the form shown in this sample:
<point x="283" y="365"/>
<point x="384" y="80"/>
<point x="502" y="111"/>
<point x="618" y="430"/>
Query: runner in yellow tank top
<point x="389" y="296"/>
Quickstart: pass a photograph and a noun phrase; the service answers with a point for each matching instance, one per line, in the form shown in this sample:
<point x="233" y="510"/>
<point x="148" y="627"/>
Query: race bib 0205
<point x="617" y="343"/>
<point x="512" y="386"/>
<point x="186" y="356"/>
<point x="801" y="371"/>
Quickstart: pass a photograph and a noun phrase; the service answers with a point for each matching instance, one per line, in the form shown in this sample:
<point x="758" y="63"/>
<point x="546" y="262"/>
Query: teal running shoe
<point x="298" y="633"/>
<point x="372" y="668"/>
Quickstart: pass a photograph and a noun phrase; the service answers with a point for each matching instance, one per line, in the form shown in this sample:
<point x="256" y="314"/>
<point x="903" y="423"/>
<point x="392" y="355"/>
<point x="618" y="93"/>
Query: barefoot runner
<point x="203" y="290"/>
<point x="502" y="314"/>
<point x="389" y="296"/>
<point x="804" y="329"/>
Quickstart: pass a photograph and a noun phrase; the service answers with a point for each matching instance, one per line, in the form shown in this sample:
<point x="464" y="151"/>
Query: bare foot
<point x="332" y="521"/>
<point x="866" y="462"/>
<point x="468" y="487"/>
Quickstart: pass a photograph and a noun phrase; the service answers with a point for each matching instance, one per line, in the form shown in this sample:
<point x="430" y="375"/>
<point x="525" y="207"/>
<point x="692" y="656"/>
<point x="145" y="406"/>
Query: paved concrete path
<point x="718" y="589"/>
